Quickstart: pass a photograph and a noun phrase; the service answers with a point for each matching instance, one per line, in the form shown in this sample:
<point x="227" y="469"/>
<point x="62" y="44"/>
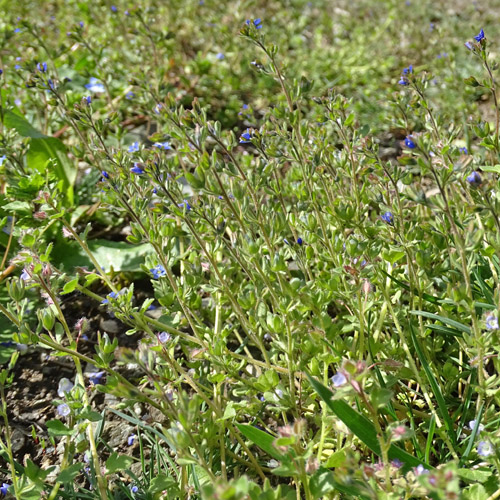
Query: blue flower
<point x="408" y="70"/>
<point x="162" y="145"/>
<point x="387" y="217"/>
<point x="63" y="410"/>
<point x="257" y="23"/>
<point x="300" y="241"/>
<point x="409" y="143"/>
<point x="134" y="489"/>
<point x="220" y="56"/>
<point x="163" y="337"/>
<point x="469" y="45"/>
<point x="2" y="159"/>
<point x="339" y="379"/>
<point x="114" y="8"/>
<point x="129" y="95"/>
<point x="158" y="272"/>
<point x="403" y="81"/>
<point x="131" y="439"/>
<point x="474" y="179"/>
<point x="42" y="67"/>
<point x="17" y="30"/>
<point x="420" y="469"/>
<point x="463" y="150"/>
<point x="134" y="147"/>
<point x="136" y="169"/>
<point x="185" y="204"/>
<point x="246" y="137"/>
<point x="492" y="322"/>
<point x="480" y="36"/>
<point x="484" y="449"/>
<point x="81" y="24"/>
<point x="105" y="175"/>
<point x="111" y="295"/>
<point x="88" y="100"/>
<point x="95" y="377"/>
<point x="95" y="86"/>
<point x="4" y="488"/>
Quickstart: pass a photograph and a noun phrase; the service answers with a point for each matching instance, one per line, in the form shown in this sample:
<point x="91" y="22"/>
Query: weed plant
<point x="294" y="209"/>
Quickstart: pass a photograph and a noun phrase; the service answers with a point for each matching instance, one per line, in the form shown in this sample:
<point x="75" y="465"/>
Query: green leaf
<point x="480" y="475"/>
<point x="446" y="321"/>
<point x="69" y="474"/>
<point x="120" y="255"/>
<point x="361" y="427"/>
<point x="261" y="439"/>
<point x="70" y="286"/>
<point x="42" y="150"/>
<point x="21" y="125"/>
<point x="163" y="482"/>
<point x="118" y="462"/>
<point x="323" y="482"/>
<point x="57" y="428"/>
<point x="443" y="408"/>
<point x="491" y="168"/>
<point x="335" y="459"/>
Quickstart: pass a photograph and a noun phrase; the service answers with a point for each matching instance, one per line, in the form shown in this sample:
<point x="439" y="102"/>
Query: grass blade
<point x="446" y="321"/>
<point x="362" y="428"/>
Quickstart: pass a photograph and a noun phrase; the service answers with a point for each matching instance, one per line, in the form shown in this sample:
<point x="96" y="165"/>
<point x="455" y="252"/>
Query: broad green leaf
<point x="57" y="428"/>
<point x="118" y="462"/>
<point x="120" y="255"/>
<point x="42" y="149"/>
<point x="69" y="474"/>
<point x="362" y="428"/>
<point x="163" y="482"/>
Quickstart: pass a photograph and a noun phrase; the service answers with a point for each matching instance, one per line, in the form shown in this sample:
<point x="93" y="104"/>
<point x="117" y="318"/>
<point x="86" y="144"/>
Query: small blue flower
<point x="63" y="410"/>
<point x="480" y="36"/>
<point x="163" y="337"/>
<point x="95" y="377"/>
<point x="339" y="379"/>
<point x="105" y="175"/>
<point x="111" y="295"/>
<point x="469" y="45"/>
<point x="42" y="67"/>
<point x="474" y="179"/>
<point x="4" y="488"/>
<point x="2" y="159"/>
<point x="131" y="439"/>
<point x="387" y="217"/>
<point x="463" y="150"/>
<point x="300" y="241"/>
<point x="114" y="8"/>
<point x="286" y="241"/>
<point x="158" y="108"/>
<point x="397" y="463"/>
<point x="472" y="425"/>
<point x="88" y="100"/>
<point x="246" y="137"/>
<point x="81" y="24"/>
<point x="129" y="95"/>
<point x="409" y="143"/>
<point x="158" y="272"/>
<point x="162" y="145"/>
<point x="484" y="449"/>
<point x="134" y="147"/>
<point x="492" y="322"/>
<point x="420" y="469"/>
<point x="403" y="81"/>
<point x="257" y="23"/>
<point x="220" y="56"/>
<point x="134" y="489"/>
<point x="408" y="70"/>
<point x="17" y="30"/>
<point x="136" y="169"/>
<point x="185" y="204"/>
<point x="95" y="86"/>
